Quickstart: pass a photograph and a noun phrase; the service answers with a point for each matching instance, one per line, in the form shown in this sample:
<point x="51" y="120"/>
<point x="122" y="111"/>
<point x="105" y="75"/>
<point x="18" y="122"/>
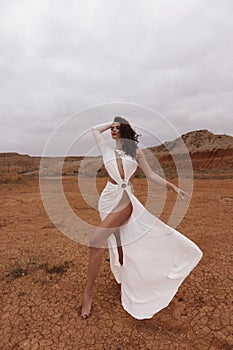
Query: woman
<point x="149" y="258"/>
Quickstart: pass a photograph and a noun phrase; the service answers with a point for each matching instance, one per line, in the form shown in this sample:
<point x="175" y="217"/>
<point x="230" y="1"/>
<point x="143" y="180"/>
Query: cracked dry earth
<point x="43" y="275"/>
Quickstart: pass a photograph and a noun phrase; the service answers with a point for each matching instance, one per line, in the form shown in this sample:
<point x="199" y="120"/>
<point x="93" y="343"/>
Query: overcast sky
<point x="60" y="57"/>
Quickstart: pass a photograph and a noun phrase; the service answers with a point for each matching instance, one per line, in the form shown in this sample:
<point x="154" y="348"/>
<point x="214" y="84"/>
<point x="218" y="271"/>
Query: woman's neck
<point x="118" y="144"/>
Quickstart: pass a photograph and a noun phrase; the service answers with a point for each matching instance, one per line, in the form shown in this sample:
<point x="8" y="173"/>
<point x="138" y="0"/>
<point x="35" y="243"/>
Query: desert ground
<point x="43" y="275"/>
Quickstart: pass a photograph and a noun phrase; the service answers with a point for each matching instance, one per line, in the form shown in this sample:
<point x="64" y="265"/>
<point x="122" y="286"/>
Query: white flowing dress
<point x="156" y="257"/>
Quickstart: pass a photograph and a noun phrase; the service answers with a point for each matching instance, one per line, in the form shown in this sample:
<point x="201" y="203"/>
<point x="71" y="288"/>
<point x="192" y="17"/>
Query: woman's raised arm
<point x="97" y="130"/>
<point x="142" y="162"/>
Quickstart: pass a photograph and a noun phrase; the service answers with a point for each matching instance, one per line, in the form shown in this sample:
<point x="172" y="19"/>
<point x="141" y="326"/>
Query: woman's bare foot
<point x="86" y="306"/>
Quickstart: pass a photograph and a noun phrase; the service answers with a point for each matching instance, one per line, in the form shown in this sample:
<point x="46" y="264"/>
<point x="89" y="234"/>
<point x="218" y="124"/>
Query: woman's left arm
<point x="142" y="162"/>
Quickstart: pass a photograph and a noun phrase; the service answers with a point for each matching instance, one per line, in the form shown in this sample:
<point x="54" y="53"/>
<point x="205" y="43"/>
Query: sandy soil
<point x="43" y="275"/>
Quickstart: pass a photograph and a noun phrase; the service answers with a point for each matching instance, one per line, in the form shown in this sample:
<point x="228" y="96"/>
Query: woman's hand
<point x="102" y="127"/>
<point x="181" y="193"/>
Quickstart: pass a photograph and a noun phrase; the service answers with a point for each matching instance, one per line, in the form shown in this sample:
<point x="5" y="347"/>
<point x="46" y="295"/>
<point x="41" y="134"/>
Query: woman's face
<point x="115" y="130"/>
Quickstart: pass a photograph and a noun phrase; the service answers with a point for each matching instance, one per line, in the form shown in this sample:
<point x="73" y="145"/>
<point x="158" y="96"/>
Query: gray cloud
<point x="59" y="57"/>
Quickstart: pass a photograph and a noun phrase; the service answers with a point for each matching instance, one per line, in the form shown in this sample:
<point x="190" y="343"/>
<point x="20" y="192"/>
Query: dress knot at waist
<point x="123" y="184"/>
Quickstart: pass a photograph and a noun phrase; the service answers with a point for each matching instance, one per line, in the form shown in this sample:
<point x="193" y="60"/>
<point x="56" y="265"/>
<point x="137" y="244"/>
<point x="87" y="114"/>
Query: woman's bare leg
<point x="95" y="258"/>
<point x="113" y="220"/>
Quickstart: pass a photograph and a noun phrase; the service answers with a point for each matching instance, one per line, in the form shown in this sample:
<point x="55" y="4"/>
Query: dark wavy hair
<point x="128" y="135"/>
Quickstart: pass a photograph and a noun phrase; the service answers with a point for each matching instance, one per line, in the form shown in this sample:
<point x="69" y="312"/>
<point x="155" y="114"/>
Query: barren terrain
<point x="43" y="271"/>
<point x="43" y="274"/>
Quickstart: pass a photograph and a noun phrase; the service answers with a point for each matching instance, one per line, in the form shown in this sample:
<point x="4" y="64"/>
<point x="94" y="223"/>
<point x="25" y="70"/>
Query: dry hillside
<point x="211" y="156"/>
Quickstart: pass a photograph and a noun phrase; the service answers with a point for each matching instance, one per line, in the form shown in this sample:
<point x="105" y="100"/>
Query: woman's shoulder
<point x="139" y="152"/>
<point x="139" y="156"/>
